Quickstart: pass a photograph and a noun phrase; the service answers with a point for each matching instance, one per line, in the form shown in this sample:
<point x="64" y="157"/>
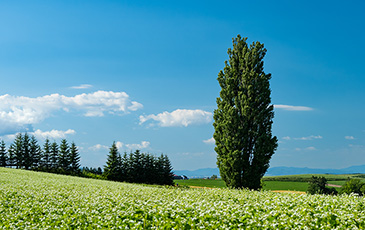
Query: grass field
<point x="34" y="200"/>
<point x="290" y="182"/>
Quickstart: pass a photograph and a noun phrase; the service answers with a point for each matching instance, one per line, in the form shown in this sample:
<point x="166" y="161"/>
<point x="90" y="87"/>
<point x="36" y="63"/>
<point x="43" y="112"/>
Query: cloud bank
<point x="179" y="117"/>
<point x="17" y="113"/>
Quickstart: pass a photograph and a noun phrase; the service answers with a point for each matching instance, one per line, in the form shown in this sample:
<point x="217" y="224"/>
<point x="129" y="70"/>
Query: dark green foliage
<point x="353" y="186"/>
<point x="317" y="185"/>
<point x="111" y="169"/>
<point x="17" y="150"/>
<point x="243" y="119"/>
<point x="64" y="159"/>
<point x="3" y="154"/>
<point x="54" y="156"/>
<point x="45" y="163"/>
<point x="74" y="159"/>
<point x="35" y="153"/>
<point x="138" y="167"/>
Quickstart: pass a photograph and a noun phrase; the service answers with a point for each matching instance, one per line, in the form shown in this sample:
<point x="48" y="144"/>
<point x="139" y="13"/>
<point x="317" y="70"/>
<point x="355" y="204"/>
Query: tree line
<point x="26" y="153"/>
<point x="137" y="167"/>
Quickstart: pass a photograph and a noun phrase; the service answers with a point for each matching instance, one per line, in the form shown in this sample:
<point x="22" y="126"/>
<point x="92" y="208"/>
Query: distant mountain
<point x="275" y="171"/>
<point x="199" y="173"/>
<point x="280" y="171"/>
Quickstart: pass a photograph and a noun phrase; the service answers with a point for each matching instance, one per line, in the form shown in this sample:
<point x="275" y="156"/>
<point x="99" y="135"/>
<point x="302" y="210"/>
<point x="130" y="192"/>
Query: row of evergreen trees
<point x="26" y="153"/>
<point x="137" y="167"/>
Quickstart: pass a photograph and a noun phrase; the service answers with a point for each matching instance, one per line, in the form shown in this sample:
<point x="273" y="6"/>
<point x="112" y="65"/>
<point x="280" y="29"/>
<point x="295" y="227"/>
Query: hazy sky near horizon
<point x="143" y="74"/>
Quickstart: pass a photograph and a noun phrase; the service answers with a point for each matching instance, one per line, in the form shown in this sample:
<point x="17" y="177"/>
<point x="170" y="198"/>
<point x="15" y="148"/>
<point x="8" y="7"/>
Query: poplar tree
<point x="243" y="119"/>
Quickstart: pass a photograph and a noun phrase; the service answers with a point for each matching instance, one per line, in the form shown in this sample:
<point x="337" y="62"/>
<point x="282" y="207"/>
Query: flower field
<point x="32" y="200"/>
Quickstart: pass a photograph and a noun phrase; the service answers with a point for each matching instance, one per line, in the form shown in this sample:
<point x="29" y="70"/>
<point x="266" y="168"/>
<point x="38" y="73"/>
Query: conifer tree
<point x="11" y="156"/>
<point x="54" y="156"/>
<point x="46" y="156"/>
<point x="3" y="154"/>
<point x="35" y="153"/>
<point x="27" y="158"/>
<point x="243" y="119"/>
<point x="74" y="158"/>
<point x="17" y="150"/>
<point x="111" y="168"/>
<point x="64" y="160"/>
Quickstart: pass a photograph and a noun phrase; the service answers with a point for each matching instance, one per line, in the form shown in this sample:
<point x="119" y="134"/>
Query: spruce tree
<point x="243" y="119"/>
<point x="11" y="156"/>
<point x="74" y="158"/>
<point x="27" y="157"/>
<point x="54" y="157"/>
<point x="64" y="160"/>
<point x="35" y="153"/>
<point x="17" y="150"/>
<point x="3" y="154"/>
<point x="46" y="156"/>
<point x="112" y="165"/>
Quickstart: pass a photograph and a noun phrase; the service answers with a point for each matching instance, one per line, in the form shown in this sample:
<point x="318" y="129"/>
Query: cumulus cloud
<point x="18" y="112"/>
<point x="209" y="141"/>
<point x="179" y="117"/>
<point x="82" y="86"/>
<point x="53" y="134"/>
<point x="98" y="147"/>
<point x="349" y="138"/>
<point x="293" y="108"/>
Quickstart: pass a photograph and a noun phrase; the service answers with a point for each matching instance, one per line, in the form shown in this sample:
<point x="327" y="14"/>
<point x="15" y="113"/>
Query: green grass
<point x="289" y="182"/>
<point x="34" y="200"/>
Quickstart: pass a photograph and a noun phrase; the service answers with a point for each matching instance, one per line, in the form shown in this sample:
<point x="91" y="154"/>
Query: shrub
<point x="353" y="186"/>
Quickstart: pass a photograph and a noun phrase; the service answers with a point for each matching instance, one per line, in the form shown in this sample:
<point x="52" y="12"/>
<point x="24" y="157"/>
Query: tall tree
<point x="35" y="153"/>
<point x="17" y="150"/>
<point x="27" y="157"/>
<point x="54" y="156"/>
<point x="11" y="156"/>
<point x="74" y="158"/>
<point x="3" y="154"/>
<point x="46" y="156"/>
<point x="64" y="160"/>
<point x="111" y="168"/>
<point x="243" y="119"/>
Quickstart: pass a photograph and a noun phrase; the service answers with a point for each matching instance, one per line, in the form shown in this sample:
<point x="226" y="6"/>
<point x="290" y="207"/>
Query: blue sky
<point x="143" y="74"/>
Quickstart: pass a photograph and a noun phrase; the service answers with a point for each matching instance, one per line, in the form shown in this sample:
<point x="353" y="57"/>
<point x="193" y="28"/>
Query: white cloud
<point x="293" y="108"/>
<point x="308" y="138"/>
<point x="143" y="145"/>
<point x="82" y="86"/>
<point x="209" y="141"/>
<point x="121" y="145"/>
<point x="53" y="134"/>
<point x="179" y="117"/>
<point x="306" y="149"/>
<point x="98" y="147"/>
<point x="39" y="134"/>
<point x="287" y="138"/>
<point x="349" y="138"/>
<point x="18" y="112"/>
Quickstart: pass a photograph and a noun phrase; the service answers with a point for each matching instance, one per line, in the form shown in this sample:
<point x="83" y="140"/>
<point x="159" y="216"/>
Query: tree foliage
<point x="353" y="186"/>
<point x="317" y="185"/>
<point x="243" y="119"/>
<point x="138" y="167"/>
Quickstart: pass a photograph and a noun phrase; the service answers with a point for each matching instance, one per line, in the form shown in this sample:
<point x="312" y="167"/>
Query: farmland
<point x="33" y="200"/>
<point x="290" y="182"/>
